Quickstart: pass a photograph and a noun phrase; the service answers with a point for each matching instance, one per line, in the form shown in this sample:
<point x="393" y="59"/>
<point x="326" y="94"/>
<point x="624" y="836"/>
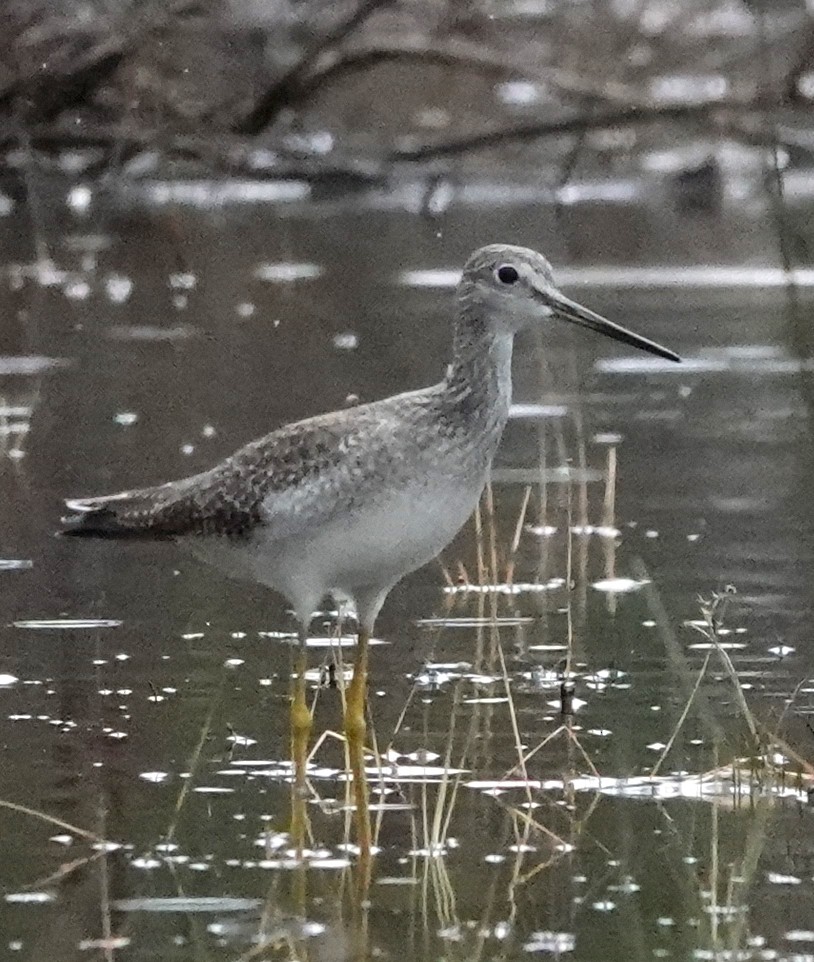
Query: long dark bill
<point x="569" y="310"/>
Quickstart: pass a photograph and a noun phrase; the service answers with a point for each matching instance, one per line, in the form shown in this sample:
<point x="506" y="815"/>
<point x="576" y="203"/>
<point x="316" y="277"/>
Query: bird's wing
<point x="186" y="507"/>
<point x="297" y="475"/>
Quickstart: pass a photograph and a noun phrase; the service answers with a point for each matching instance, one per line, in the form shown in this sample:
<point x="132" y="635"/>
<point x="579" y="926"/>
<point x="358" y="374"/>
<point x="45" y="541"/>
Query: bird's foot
<point x="301" y="722"/>
<point x="327" y="675"/>
<point x="355" y="730"/>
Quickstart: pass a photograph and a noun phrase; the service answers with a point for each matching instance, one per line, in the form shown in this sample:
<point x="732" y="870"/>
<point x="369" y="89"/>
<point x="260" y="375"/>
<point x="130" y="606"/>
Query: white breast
<point x="393" y="537"/>
<point x="373" y="547"/>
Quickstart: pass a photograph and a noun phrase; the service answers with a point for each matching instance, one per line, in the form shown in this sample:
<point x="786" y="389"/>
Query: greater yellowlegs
<point x="347" y="503"/>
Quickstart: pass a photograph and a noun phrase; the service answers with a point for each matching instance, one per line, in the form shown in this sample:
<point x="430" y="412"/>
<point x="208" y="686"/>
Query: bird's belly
<point x="370" y="546"/>
<point x="379" y="545"/>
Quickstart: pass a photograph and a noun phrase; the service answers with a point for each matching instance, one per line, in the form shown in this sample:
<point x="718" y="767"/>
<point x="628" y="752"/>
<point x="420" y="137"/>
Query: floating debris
<point x="76" y="289"/>
<point x="600" y="530"/>
<point x="335" y="863"/>
<point x="242" y="740"/>
<point x="105" y="945"/>
<point x="79" y="198"/>
<point x="285" y="272"/>
<point x="519" y="93"/>
<point x="319" y="641"/>
<point x="554" y="942"/>
<point x="504" y="621"/>
<point x="118" y="288"/>
<point x="186" y="903"/>
<point x="567" y="704"/>
<point x="726" y="783"/>
<point x="565" y="474"/>
<point x="537" y="411"/>
<point x="67" y="623"/>
<point x="209" y="194"/>
<point x="146" y="863"/>
<point x="723" y="645"/>
<point x="125" y="418"/>
<point x="151" y="332"/>
<point x="542" y="531"/>
<point x="433" y="278"/>
<point x="31" y="364"/>
<point x="29" y="898"/>
<point x="503" y="784"/>
<point x="318" y="142"/>
<point x="346" y="341"/>
<point x="183" y="281"/>
<point x="619" y="585"/>
<point x="412" y="773"/>
<point x="423" y="756"/>
<point x="515" y="588"/>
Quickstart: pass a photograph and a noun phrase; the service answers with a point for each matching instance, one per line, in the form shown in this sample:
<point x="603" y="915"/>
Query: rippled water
<point x="143" y="699"/>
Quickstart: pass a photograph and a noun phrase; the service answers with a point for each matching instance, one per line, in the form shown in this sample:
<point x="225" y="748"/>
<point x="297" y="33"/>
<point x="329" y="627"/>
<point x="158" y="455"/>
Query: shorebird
<point x="347" y="503"/>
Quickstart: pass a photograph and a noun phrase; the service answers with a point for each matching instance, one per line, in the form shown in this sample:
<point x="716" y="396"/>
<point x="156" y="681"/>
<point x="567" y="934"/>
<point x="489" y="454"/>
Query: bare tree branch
<point x="63" y="85"/>
<point x="454" y="53"/>
<point x="267" y="107"/>
<point x="417" y="48"/>
<point x="227" y="152"/>
<point x="69" y="78"/>
<point x="625" y="116"/>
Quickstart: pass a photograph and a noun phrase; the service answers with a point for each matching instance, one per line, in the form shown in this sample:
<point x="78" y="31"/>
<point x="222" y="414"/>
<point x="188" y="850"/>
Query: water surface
<point x="143" y="698"/>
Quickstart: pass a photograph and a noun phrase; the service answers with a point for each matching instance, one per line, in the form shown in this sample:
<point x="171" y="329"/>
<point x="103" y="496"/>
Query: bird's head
<point x="514" y="287"/>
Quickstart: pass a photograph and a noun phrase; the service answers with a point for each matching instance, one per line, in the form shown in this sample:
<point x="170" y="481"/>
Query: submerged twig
<point x="195" y="758"/>
<point x="60" y="823"/>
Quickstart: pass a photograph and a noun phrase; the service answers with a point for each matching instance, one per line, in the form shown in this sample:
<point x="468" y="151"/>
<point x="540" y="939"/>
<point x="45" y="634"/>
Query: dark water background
<point x="145" y="698"/>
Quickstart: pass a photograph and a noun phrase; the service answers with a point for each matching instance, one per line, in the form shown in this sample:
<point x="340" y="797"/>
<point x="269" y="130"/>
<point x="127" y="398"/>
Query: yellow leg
<point x="355" y="728"/>
<point x="300" y="732"/>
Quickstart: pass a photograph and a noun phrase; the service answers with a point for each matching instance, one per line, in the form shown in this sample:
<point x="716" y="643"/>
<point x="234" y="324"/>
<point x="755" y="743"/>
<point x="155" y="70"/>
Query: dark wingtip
<point x="111" y="534"/>
<point x="98" y="518"/>
<point x="74" y="526"/>
<point x="88" y="520"/>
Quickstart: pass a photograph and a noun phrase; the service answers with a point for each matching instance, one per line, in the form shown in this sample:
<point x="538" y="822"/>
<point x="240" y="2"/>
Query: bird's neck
<point x="480" y="377"/>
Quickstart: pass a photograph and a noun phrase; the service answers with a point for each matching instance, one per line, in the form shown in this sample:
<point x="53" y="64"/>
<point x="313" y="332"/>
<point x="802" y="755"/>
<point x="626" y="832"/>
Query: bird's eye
<point x="507" y="274"/>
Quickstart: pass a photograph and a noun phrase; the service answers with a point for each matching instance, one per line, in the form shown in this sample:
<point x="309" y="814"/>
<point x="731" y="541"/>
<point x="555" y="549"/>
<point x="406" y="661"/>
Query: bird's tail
<point x="127" y="515"/>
